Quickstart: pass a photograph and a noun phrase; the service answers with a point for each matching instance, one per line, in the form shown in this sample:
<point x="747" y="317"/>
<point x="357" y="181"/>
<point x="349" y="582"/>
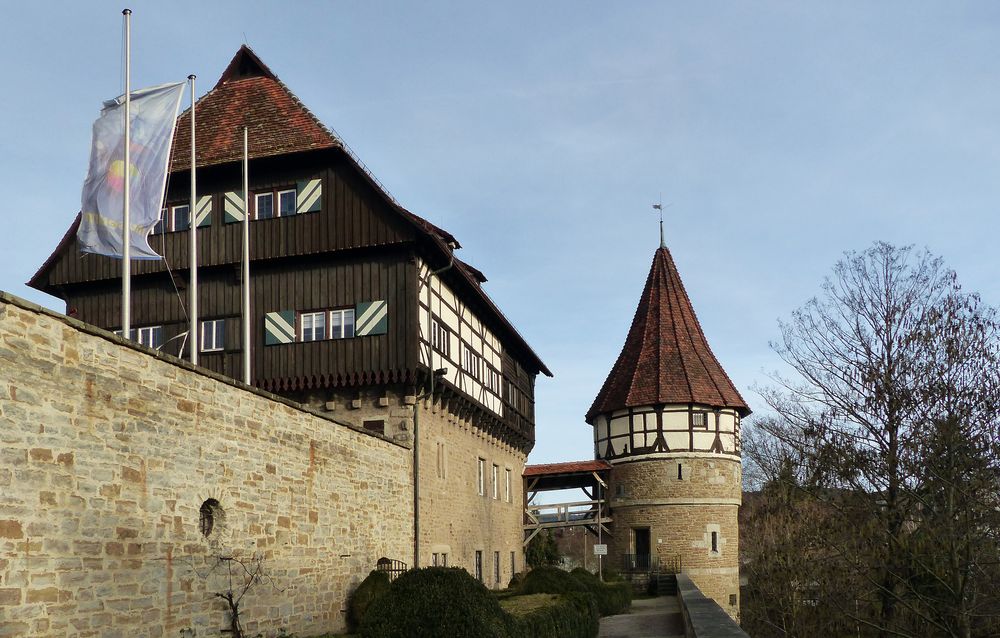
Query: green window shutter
<point x="371" y="318"/>
<point x="233" y="207"/>
<point x="279" y="327"/>
<point x="307" y="199"/>
<point x="203" y="213"/>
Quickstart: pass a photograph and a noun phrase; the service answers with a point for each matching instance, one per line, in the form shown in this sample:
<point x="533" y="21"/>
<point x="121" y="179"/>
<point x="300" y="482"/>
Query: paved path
<point x="658" y="617"/>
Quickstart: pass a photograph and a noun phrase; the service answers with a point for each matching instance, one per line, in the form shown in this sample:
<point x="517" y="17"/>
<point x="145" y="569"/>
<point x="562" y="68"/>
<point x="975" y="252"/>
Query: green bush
<point x="516" y="580"/>
<point x="436" y="602"/>
<point x="550" y="580"/>
<point x="368" y="591"/>
<point x="572" y="615"/>
<point x="613" y="598"/>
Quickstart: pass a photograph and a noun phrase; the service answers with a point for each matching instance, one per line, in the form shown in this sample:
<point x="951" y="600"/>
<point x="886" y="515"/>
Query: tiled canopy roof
<point x="547" y="469"/>
<point x="666" y="358"/>
<point x="248" y="94"/>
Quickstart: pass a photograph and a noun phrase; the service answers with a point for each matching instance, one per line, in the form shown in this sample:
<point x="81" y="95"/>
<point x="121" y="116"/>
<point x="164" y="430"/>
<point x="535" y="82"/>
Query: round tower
<point x="668" y="421"/>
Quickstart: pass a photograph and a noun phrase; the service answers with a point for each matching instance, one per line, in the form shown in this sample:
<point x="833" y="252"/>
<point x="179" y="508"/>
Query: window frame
<point x="496" y="567"/>
<point x="152" y="331"/>
<point x="482" y="476"/>
<point x="479" y="565"/>
<point x="302" y="325"/>
<point x="507" y="491"/>
<point x="276" y="195"/>
<point x="342" y="313"/>
<point x="496" y="482"/>
<point x="218" y="340"/>
<point x="440" y="337"/>
<point x="167" y="223"/>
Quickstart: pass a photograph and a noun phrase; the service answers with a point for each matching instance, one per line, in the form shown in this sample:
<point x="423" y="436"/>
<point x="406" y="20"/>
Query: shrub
<point x="550" y="580"/>
<point x="516" y="580"/>
<point x="572" y="615"/>
<point x="612" y="598"/>
<point x="368" y="591"/>
<point x="436" y="602"/>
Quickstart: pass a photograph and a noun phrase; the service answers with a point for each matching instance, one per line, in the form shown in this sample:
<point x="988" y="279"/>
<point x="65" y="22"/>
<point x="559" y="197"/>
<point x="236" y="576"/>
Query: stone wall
<point x="681" y="515"/>
<point x="109" y="452"/>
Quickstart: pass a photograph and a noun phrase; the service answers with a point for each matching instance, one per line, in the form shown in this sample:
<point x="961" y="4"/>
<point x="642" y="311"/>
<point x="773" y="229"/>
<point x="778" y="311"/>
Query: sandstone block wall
<point x="107" y="454"/>
<point x="681" y="515"/>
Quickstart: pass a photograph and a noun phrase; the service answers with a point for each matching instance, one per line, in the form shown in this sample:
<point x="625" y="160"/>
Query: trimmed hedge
<point x="436" y="602"/>
<point x="373" y="587"/>
<point x="612" y="598"/>
<point x="572" y="615"/>
<point x="550" y="580"/>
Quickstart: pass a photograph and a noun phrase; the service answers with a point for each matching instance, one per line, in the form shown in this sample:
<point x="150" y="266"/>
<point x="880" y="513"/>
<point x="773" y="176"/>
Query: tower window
<point x="699" y="420"/>
<point x="715" y="542"/>
<point x="680" y="472"/>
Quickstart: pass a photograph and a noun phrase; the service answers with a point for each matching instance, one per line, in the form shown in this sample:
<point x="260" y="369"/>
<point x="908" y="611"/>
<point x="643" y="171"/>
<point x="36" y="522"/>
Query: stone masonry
<point x="110" y="453"/>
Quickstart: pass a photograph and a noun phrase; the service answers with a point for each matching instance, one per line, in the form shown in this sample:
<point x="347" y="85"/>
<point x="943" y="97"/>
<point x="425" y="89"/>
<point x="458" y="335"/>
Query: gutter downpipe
<point x="416" y="415"/>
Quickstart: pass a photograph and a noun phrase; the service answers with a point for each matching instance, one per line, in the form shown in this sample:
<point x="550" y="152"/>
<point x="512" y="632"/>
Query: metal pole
<point x="126" y="217"/>
<point x="600" y="540"/>
<point x="193" y="335"/>
<point x="246" y="260"/>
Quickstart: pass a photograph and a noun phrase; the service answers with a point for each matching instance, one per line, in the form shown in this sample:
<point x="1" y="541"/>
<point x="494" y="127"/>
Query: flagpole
<point x="193" y="335"/>
<point x="246" y="260"/>
<point x="126" y="218"/>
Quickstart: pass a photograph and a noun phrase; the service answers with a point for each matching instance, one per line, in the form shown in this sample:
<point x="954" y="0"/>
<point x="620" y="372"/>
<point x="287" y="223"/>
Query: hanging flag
<point x="153" y="115"/>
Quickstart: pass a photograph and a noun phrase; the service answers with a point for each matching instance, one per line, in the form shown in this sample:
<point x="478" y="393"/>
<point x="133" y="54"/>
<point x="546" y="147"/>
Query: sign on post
<point x="600" y="549"/>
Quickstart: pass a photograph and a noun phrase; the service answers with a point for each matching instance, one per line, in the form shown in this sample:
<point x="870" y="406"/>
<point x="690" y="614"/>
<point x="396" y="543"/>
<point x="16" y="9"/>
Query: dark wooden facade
<point x="359" y="247"/>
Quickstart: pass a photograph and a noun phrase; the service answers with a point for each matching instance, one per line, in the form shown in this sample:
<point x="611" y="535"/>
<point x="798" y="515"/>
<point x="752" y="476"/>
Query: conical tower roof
<point x="666" y="358"/>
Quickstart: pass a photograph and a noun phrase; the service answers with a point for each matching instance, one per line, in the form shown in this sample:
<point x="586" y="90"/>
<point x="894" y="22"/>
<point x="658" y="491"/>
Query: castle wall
<point x="108" y="453"/>
<point x="456" y="520"/>
<point x="681" y="514"/>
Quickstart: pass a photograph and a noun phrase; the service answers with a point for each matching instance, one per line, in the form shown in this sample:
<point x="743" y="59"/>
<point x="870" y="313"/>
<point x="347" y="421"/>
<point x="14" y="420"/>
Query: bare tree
<point x="884" y="416"/>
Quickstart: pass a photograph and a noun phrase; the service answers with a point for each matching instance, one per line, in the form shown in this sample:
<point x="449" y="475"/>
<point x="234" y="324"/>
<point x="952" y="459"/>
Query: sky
<point x="780" y="135"/>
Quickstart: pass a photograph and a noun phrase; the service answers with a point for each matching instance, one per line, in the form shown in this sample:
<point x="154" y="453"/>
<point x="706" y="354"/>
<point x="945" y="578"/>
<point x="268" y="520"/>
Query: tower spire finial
<point x="659" y="207"/>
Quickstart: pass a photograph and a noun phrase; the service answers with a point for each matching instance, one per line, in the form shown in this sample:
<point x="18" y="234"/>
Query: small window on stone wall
<point x="376" y="426"/>
<point x="211" y="517"/>
<point x="680" y="472"/>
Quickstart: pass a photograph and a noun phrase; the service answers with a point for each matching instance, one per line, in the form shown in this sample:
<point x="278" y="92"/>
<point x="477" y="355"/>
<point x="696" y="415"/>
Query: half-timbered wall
<point x="657" y="430"/>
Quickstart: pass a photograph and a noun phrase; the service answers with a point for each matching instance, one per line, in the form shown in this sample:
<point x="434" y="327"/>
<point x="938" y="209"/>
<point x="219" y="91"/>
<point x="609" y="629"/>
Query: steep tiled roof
<point x="569" y="467"/>
<point x="666" y="358"/>
<point x="248" y="94"/>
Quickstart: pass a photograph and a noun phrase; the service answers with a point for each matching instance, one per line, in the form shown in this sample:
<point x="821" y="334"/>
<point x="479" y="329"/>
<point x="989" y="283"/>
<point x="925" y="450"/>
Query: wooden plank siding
<point x="318" y="283"/>
<point x="352" y="216"/>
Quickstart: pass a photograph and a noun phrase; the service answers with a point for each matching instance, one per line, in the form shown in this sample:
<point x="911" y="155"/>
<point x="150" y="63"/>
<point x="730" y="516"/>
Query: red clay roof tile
<point x="666" y="358"/>
<point x="546" y="469"/>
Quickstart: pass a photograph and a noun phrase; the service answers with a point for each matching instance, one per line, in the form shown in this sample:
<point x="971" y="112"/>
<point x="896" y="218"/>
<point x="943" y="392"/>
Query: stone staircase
<point x="666" y="584"/>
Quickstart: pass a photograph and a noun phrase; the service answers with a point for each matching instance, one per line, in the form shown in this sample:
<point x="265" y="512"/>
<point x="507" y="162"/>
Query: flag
<point x="153" y="114"/>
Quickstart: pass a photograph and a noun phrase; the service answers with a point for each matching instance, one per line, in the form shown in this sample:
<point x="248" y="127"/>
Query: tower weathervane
<point x="659" y="207"/>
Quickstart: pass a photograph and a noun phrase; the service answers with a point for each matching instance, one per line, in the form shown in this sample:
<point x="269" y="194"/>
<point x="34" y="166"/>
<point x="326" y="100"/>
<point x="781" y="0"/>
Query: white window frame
<point x="168" y="219"/>
<point x="482" y="476"/>
<point x="440" y="337"/>
<point x="277" y="201"/>
<point x="256" y="205"/>
<point x="144" y="336"/>
<point x="342" y="314"/>
<point x="507" y="484"/>
<point x="312" y="317"/>
<point x="496" y="482"/>
<point x="217" y="342"/>
<point x="471" y="361"/>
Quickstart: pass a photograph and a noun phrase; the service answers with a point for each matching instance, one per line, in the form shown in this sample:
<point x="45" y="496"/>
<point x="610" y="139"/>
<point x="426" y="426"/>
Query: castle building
<point x="355" y="303"/>
<point x="667" y="420"/>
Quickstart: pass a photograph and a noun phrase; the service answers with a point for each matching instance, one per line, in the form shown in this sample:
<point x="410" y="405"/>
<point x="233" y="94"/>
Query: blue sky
<point x="781" y="134"/>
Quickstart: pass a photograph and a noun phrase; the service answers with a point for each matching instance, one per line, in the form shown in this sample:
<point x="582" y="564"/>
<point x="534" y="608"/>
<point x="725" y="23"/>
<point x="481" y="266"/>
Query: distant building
<point x="355" y="301"/>
<point x="667" y="420"/>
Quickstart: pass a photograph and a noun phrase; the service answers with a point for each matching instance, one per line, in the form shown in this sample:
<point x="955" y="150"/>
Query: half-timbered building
<point x="667" y="420"/>
<point x="355" y="302"/>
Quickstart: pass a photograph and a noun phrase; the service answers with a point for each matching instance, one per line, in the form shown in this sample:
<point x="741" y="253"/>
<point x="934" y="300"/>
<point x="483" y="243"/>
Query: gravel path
<point x="658" y="617"/>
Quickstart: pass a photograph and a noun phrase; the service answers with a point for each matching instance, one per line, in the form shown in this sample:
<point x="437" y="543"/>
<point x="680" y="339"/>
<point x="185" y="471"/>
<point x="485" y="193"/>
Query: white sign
<point x="600" y="550"/>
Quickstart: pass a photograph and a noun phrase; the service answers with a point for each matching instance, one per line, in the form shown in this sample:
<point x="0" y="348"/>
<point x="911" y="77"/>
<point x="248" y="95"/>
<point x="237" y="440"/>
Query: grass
<point x="521" y="605"/>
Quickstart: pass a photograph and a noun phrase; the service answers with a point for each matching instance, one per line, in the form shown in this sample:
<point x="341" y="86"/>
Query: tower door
<point x="640" y="542"/>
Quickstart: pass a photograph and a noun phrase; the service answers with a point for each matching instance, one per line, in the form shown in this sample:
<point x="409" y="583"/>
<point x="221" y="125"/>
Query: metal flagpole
<point x="193" y="336"/>
<point x="126" y="218"/>
<point x="246" y="261"/>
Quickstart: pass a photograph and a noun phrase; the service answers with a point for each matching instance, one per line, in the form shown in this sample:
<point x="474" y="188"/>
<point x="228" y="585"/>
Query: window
<point x="699" y="419"/>
<point x="151" y="336"/>
<point x="434" y="559"/>
<point x="173" y="218"/>
<point x="496" y="482"/>
<point x="342" y="323"/>
<point x="313" y="326"/>
<point x="482" y="477"/>
<point x="715" y="542"/>
<point x="264" y="204"/>
<point x="479" y="565"/>
<point x="441" y="462"/>
<point x="513" y="565"/>
<point x="507" y="485"/>
<point x="213" y="335"/>
<point x="492" y="380"/>
<point x="440" y="338"/>
<point x="680" y="472"/>
<point x="444" y="559"/>
<point x="470" y="361"/>
<point x="496" y="567"/>
<point x="375" y="425"/>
